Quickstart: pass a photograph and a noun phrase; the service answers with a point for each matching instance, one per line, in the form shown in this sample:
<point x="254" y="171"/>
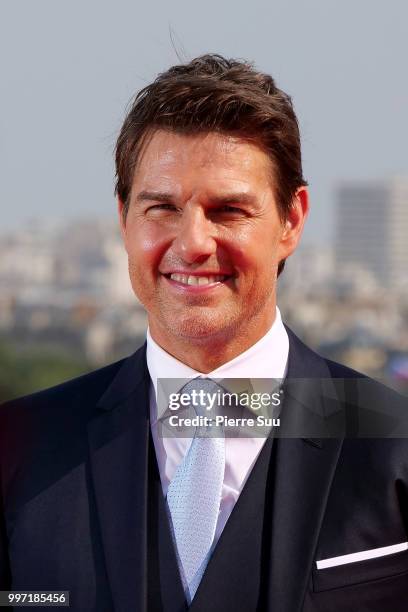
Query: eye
<point x="162" y="207"/>
<point x="227" y="208"/>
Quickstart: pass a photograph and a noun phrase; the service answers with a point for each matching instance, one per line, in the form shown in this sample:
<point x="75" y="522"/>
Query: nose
<point x="195" y="239"/>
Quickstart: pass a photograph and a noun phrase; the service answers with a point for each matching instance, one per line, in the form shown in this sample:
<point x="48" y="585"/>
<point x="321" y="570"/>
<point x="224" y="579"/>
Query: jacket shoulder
<point x="339" y="370"/>
<point x="304" y="362"/>
<point x="307" y="363"/>
<point x="54" y="418"/>
<point x="89" y="387"/>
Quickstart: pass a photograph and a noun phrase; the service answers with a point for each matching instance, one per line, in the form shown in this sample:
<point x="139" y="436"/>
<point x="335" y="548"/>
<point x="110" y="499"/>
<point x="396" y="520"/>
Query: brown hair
<point x="212" y="93"/>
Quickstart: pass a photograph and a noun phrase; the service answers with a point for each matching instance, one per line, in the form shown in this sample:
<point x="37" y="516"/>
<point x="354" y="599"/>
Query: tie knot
<point x="205" y="400"/>
<point x="204" y="395"/>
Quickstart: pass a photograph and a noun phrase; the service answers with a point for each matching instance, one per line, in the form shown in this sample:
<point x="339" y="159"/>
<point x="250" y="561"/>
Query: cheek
<point x="144" y="245"/>
<point x="254" y="250"/>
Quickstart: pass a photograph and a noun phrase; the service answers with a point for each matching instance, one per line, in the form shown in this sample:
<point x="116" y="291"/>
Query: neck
<point x="209" y="353"/>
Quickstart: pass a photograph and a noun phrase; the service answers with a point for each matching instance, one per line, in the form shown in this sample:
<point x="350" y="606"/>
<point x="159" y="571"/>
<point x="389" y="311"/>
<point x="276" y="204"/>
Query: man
<point x="212" y="201"/>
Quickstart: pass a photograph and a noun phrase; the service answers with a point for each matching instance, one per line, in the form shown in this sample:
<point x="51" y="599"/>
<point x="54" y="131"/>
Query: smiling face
<point x="204" y="238"/>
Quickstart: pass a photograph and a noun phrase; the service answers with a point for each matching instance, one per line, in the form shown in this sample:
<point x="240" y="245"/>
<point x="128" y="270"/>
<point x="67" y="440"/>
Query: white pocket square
<point x="362" y="556"/>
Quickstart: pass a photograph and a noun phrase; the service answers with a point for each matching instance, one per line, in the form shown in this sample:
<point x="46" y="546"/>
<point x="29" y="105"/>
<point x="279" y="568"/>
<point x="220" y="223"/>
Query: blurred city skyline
<point x="69" y="70"/>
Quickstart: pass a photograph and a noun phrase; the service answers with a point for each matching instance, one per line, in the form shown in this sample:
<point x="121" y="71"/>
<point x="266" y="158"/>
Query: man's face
<point x="204" y="237"/>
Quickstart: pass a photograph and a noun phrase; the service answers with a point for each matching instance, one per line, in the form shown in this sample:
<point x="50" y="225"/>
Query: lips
<point x="199" y="280"/>
<point x="192" y="279"/>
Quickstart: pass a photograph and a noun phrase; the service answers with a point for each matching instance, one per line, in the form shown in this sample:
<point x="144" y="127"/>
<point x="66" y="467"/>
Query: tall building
<point x="371" y="229"/>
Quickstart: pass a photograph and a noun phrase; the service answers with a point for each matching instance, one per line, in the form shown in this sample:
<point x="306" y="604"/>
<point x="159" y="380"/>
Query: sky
<point x="70" y="68"/>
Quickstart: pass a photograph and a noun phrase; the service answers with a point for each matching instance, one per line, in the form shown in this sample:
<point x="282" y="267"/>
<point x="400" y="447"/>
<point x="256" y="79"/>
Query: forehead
<point x="171" y="156"/>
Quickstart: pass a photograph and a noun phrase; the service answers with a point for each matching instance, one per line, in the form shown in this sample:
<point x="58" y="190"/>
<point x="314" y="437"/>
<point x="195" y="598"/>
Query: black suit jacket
<point x="74" y="510"/>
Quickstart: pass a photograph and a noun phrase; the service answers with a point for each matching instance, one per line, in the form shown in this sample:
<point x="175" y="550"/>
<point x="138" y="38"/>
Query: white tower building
<point x="372" y="229"/>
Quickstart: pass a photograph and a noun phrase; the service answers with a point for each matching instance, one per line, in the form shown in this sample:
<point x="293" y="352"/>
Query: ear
<point x="294" y="223"/>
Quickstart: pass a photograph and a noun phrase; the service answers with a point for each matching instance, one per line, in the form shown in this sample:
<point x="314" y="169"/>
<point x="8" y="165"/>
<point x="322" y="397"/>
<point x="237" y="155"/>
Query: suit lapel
<point x="303" y="471"/>
<point x="118" y="442"/>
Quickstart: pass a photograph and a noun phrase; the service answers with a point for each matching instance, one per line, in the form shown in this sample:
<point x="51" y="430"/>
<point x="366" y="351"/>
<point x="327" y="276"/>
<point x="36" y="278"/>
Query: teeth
<point x="196" y="280"/>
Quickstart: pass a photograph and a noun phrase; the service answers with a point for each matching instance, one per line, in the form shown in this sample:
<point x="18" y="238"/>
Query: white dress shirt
<point x="267" y="358"/>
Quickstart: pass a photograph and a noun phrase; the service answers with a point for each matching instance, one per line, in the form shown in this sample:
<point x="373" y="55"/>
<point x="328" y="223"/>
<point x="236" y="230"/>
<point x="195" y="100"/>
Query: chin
<point x="200" y="329"/>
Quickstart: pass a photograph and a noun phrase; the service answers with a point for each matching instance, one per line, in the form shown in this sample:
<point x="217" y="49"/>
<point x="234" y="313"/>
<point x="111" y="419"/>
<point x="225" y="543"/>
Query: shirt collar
<point x="267" y="358"/>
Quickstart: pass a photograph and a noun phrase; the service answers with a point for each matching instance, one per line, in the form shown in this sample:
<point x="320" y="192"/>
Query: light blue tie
<point x="194" y="495"/>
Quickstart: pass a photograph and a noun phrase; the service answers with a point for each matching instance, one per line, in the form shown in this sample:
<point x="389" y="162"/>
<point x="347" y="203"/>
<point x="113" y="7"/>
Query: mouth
<point x="196" y="283"/>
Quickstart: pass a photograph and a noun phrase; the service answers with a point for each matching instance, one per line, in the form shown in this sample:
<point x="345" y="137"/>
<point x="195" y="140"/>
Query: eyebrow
<point x="219" y="200"/>
<point x="234" y="198"/>
<point x="154" y="196"/>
